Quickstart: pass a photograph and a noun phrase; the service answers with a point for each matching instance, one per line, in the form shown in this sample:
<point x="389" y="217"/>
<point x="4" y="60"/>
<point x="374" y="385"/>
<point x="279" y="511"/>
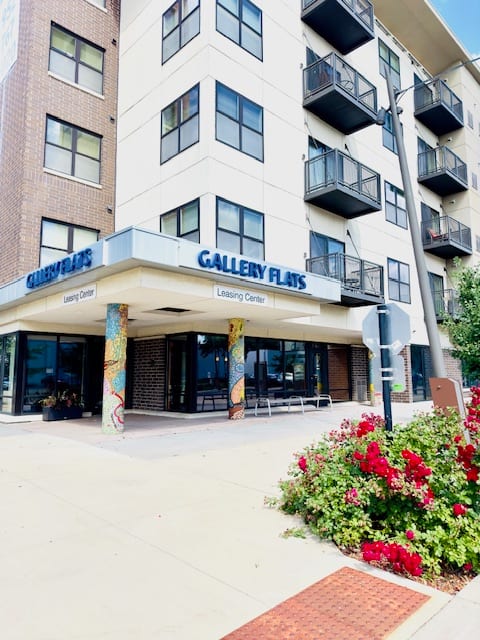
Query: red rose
<point x="459" y="509"/>
<point x="410" y="534"/>
<point x="302" y="463"/>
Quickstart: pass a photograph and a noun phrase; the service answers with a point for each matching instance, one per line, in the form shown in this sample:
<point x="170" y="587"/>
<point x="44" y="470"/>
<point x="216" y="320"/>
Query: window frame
<point x="316" y="239"/>
<point x="178" y="211"/>
<point x="181" y="124"/>
<point x="389" y="140"/>
<point x="391" y="55"/>
<point x="394" y="206"/>
<point x="79" y="41"/>
<point x="73" y="150"/>
<point x="181" y="24"/>
<point x="398" y="282"/>
<point x="241" y="226"/>
<point x="242" y="103"/>
<point x="70" y="238"/>
<point x="241" y="24"/>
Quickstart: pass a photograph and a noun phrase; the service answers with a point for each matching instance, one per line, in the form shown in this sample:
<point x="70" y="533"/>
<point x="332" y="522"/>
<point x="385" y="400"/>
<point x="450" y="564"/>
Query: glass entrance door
<point x="177" y="373"/>
<point x="317" y="370"/>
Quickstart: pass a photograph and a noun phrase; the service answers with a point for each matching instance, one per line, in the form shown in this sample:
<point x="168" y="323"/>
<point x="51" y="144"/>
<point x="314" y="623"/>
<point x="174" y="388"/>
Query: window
<point x="72" y="151"/>
<point x="76" y="60"/>
<point x="321" y="245"/>
<point x="398" y="281"/>
<point x="436" y="287"/>
<point x="241" y="21"/>
<point x="181" y="23"/>
<point x="182" y="222"/>
<point x="239" y="230"/>
<point x="239" y="122"/>
<point x="391" y="61"/>
<point x="395" y="207"/>
<point x="180" y="124"/>
<point x="474" y="181"/>
<point x="60" y="239"/>
<point x="470" y="119"/>
<point x="388" y="136"/>
<point x="100" y="3"/>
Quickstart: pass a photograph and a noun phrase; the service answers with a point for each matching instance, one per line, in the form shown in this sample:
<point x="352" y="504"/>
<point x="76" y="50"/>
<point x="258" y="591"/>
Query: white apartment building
<point x="260" y="211"/>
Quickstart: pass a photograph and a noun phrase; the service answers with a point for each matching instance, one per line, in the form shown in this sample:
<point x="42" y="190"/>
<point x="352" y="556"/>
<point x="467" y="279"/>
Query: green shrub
<point x="408" y="499"/>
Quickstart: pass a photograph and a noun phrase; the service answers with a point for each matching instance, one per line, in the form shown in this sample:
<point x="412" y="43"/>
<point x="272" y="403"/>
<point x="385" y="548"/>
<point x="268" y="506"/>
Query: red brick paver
<point x="346" y="605"/>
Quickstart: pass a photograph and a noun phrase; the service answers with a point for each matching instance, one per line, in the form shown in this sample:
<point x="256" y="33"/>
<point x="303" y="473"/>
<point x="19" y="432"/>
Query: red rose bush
<point x="408" y="501"/>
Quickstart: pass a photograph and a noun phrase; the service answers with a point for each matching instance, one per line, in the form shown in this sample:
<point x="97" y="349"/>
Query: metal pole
<point x="438" y="364"/>
<point x="386" y="371"/>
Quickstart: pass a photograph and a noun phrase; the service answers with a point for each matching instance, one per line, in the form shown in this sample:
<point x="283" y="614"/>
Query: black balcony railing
<point x="446" y="302"/>
<point x="361" y="281"/>
<point x="337" y="93"/>
<point x="346" y="24"/>
<point x="438" y="107"/>
<point x="442" y="171"/>
<point x="446" y="237"/>
<point x="338" y="183"/>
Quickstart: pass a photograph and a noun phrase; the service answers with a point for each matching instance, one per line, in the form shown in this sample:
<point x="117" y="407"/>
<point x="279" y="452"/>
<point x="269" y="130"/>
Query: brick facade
<point x="29" y="92"/>
<point x="149" y="371"/>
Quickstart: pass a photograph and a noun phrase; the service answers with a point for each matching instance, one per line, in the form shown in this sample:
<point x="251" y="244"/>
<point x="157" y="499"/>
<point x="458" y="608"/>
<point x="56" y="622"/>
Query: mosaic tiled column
<point x="236" y="369"/>
<point x="114" y="374"/>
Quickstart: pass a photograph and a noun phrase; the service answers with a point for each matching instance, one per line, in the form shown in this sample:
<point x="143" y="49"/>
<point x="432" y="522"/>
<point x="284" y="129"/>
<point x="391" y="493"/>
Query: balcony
<point x="446" y="302"/>
<point x="442" y="171"/>
<point x="338" y="183"/>
<point x="361" y="281"/>
<point x="338" y="94"/>
<point x="446" y="237"/>
<point x="438" y="108"/>
<point x="346" y="24"/>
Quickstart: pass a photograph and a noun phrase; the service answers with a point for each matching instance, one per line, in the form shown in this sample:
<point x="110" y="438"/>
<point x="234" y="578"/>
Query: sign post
<point x="386" y="329"/>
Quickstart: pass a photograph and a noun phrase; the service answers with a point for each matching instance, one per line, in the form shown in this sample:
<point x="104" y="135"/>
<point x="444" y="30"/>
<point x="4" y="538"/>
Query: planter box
<point x="65" y="413"/>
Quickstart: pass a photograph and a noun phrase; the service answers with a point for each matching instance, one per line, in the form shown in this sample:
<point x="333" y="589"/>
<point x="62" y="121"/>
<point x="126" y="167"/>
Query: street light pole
<point x="438" y="364"/>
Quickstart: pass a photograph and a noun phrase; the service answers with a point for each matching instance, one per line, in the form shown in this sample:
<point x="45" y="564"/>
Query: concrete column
<point x="236" y="369"/>
<point x="114" y="374"/>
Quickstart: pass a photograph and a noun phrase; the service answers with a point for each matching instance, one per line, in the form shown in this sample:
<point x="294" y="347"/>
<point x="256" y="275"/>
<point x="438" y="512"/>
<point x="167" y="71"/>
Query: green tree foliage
<point x="464" y="326"/>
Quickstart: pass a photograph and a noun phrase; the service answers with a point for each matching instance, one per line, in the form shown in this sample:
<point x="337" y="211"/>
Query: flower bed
<point x="408" y="501"/>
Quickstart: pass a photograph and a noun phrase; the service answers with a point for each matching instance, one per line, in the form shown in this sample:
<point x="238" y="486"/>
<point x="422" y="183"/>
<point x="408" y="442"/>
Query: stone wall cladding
<point x="30" y="92"/>
<point x="149" y="374"/>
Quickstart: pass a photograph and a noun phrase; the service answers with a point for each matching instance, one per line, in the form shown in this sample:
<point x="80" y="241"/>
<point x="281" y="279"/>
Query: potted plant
<point x="62" y="406"/>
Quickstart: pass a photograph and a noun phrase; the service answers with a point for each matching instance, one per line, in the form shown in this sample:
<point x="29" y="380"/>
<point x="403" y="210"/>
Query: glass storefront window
<point x="53" y="364"/>
<point x="8" y="345"/>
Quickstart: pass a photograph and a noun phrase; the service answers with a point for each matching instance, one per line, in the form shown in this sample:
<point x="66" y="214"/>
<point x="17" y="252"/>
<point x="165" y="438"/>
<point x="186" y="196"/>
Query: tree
<point x="464" y="326"/>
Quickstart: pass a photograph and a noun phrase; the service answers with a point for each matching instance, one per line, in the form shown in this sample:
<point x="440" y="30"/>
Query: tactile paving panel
<point x="346" y="605"/>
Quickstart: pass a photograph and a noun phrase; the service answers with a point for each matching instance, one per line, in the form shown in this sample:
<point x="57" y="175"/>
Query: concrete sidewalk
<point x="162" y="532"/>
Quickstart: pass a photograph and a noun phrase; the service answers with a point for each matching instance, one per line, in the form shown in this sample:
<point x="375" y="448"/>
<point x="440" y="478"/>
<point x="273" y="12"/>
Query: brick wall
<point x="27" y="192"/>
<point x="149" y="371"/>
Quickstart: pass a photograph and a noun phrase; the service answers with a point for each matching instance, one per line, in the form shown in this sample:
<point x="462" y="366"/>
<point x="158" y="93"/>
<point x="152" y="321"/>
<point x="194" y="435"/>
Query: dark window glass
<point x="60" y="239"/>
<point x="76" y="60"/>
<point x="388" y="136"/>
<point x="390" y="60"/>
<point x="241" y="21"/>
<point x="181" y="23"/>
<point x="182" y="222"/>
<point x="180" y="122"/>
<point x="239" y="122"/>
<point x="398" y="280"/>
<point x="72" y="151"/>
<point x="395" y="207"/>
<point x="239" y="229"/>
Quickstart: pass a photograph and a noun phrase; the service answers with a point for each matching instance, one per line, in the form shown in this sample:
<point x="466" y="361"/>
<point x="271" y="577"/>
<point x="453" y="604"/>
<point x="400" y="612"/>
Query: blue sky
<point x="463" y="18"/>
